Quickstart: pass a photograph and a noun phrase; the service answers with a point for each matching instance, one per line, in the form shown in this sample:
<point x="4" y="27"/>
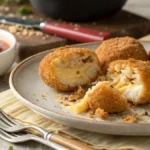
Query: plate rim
<point x="75" y="118"/>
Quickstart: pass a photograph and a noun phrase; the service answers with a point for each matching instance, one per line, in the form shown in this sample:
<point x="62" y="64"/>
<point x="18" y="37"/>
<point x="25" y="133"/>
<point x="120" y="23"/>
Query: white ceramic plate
<point x="28" y="88"/>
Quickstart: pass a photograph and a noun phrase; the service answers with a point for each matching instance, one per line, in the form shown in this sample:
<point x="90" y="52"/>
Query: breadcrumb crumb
<point x="133" y="118"/>
<point x="91" y="112"/>
<point x="101" y="113"/>
<point x="64" y="104"/>
<point x="90" y="116"/>
<point x="44" y="96"/>
<point x="77" y="95"/>
<point x="130" y="119"/>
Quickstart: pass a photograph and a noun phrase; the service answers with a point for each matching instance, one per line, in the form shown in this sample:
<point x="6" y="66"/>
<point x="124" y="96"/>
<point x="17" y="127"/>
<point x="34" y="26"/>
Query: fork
<point x="10" y="125"/>
<point x="23" y="137"/>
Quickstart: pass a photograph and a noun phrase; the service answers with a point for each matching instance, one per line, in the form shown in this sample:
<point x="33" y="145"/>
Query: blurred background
<point x="135" y="6"/>
<point x="141" y="8"/>
<point x="110" y="18"/>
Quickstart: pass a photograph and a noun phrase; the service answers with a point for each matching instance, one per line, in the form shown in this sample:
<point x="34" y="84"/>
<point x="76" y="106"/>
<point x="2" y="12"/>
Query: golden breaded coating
<point x="101" y="113"/>
<point x="130" y="119"/>
<point x="67" y="68"/>
<point x="132" y="78"/>
<point x="107" y="98"/>
<point x="120" y="49"/>
<point x="149" y="56"/>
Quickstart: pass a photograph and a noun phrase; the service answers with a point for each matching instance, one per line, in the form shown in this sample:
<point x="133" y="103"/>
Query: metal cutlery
<point x="9" y="125"/>
<point x="23" y="137"/>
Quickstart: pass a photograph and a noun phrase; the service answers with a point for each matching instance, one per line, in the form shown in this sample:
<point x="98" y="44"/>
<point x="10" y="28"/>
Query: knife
<point x="70" y="32"/>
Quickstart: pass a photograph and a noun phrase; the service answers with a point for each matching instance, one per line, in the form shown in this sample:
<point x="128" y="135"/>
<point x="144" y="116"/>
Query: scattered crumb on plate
<point x="77" y="95"/>
<point x="44" y="96"/>
<point x="34" y="94"/>
<point x="101" y="113"/>
<point x="130" y="119"/>
<point x="133" y="118"/>
<point x="90" y="116"/>
<point x="65" y="104"/>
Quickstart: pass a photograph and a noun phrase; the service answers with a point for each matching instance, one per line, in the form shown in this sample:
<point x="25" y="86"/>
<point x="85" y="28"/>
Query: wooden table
<point x="135" y="6"/>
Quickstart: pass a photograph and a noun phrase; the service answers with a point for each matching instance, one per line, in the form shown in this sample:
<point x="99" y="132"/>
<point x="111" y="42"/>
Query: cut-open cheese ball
<point x="107" y="98"/>
<point x="132" y="78"/>
<point x="101" y="96"/>
<point x="67" y="68"/>
<point x="82" y="105"/>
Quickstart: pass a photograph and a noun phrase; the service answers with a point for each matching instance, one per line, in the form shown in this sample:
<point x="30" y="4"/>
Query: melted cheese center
<point x="72" y="75"/>
<point x="132" y="92"/>
<point x="80" y="107"/>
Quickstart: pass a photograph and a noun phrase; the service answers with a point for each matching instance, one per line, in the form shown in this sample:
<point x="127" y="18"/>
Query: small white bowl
<point x="7" y="57"/>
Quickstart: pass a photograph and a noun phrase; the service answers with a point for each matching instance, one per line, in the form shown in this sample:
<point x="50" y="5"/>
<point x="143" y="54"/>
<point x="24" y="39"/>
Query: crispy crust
<point x="101" y="113"/>
<point x="120" y="49"/>
<point x="130" y="119"/>
<point x="144" y="72"/>
<point x="107" y="98"/>
<point x="149" y="56"/>
<point x="45" y="68"/>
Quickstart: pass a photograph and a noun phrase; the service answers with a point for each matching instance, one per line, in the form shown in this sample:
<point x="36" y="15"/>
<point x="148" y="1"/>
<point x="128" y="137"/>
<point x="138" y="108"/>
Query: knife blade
<point x="71" y="32"/>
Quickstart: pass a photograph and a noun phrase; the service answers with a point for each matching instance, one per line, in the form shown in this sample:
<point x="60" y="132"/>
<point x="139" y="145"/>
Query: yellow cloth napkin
<point x="14" y="108"/>
<point x="145" y="38"/>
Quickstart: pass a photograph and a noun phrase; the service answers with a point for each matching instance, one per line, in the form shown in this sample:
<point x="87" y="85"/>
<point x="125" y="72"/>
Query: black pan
<point x="78" y="10"/>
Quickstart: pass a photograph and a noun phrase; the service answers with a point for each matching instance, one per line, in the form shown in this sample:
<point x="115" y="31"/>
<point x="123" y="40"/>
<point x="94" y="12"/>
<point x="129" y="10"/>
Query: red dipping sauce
<point x="3" y="46"/>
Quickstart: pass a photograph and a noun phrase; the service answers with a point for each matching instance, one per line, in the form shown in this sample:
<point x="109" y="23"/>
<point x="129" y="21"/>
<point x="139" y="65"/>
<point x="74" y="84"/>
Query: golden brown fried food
<point x="130" y="119"/>
<point x="67" y="68"/>
<point x="101" y="113"/>
<point x="132" y="78"/>
<point x="149" y="56"/>
<point x="100" y="96"/>
<point x="107" y="98"/>
<point x="120" y="49"/>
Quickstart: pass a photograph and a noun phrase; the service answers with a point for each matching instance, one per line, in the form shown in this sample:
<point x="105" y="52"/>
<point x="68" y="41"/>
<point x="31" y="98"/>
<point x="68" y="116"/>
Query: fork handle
<point x="69" y="143"/>
<point x="49" y="143"/>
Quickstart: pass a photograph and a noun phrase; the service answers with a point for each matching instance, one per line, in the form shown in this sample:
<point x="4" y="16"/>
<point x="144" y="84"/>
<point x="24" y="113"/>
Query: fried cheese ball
<point x="132" y="78"/>
<point x="67" y="68"/>
<point x="120" y="49"/>
<point x="149" y="56"/>
<point x="101" y="96"/>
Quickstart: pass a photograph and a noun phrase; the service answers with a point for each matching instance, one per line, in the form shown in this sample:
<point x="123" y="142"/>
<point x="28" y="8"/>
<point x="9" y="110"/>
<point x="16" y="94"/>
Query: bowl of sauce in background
<point x="7" y="50"/>
<point x="3" y="46"/>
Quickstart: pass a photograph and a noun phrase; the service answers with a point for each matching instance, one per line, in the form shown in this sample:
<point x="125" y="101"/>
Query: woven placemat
<point x="14" y="108"/>
<point x="145" y="38"/>
<point x="17" y="110"/>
